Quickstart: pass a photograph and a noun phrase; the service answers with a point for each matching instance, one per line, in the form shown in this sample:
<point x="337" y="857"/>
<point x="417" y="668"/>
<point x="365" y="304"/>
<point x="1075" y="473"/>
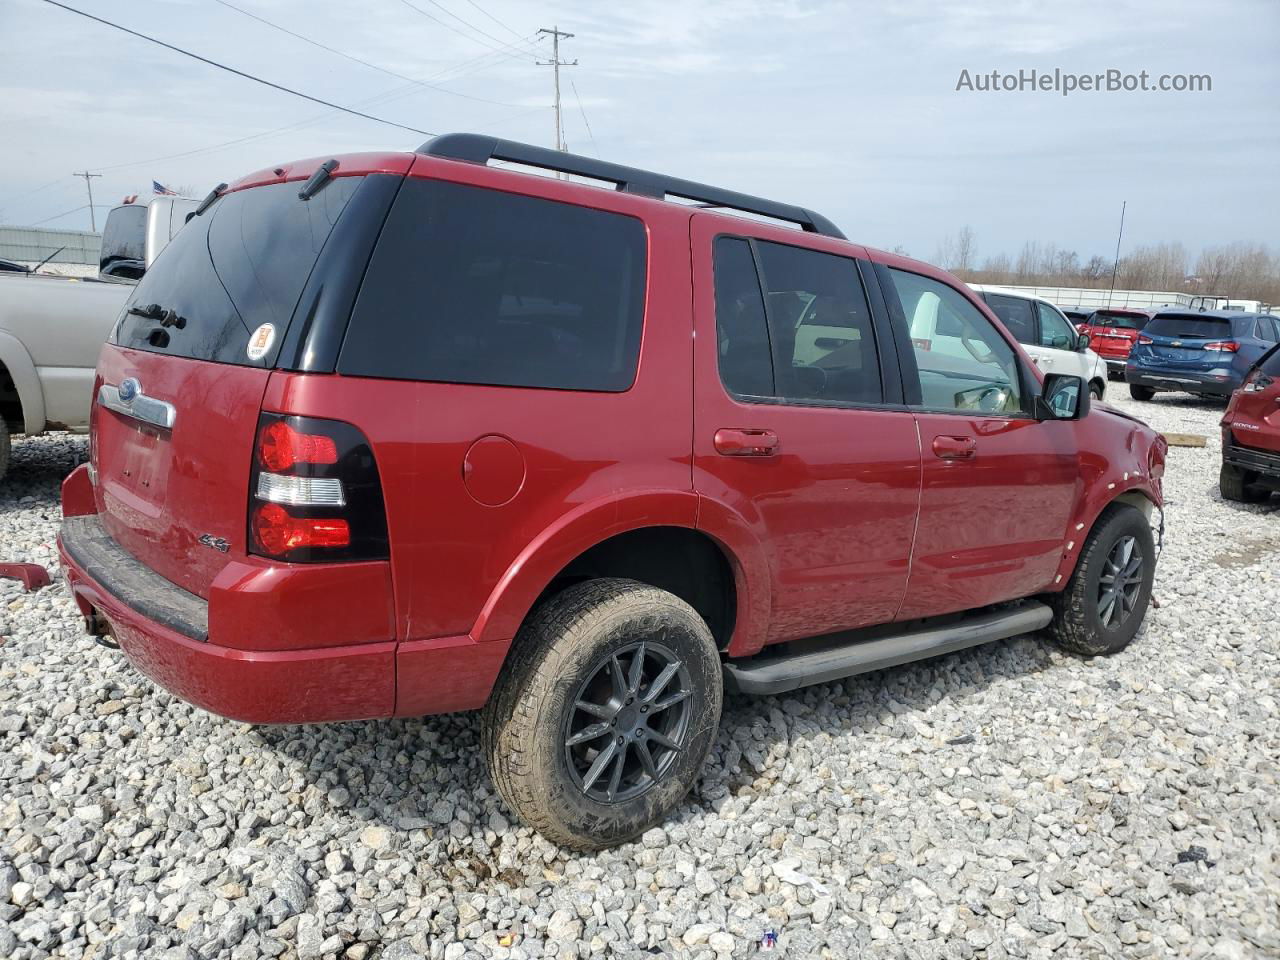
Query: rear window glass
<point x="1189" y="325"/>
<point x="1124" y="321"/>
<point x="242" y="263"/>
<point x="1015" y="313"/>
<point x="470" y="285"/>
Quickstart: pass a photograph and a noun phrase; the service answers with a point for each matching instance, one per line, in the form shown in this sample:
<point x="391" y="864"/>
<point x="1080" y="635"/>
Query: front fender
<point x="18" y="362"/>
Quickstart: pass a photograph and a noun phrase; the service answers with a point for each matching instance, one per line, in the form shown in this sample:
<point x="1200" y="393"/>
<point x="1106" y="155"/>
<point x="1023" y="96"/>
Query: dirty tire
<point x="1236" y="484"/>
<point x="1077" y="625"/>
<point x="5" y="447"/>
<point x="1096" y="390"/>
<point x="523" y="725"/>
<point x="1140" y="392"/>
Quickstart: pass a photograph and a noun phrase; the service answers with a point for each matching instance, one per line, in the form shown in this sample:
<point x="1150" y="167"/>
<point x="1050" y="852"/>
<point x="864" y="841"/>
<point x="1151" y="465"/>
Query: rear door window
<point x="1016" y="314"/>
<point x="470" y="285"/>
<point x="805" y="335"/>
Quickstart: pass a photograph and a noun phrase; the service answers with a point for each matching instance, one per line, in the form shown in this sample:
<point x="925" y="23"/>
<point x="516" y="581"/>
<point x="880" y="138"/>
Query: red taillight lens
<point x="281" y="448"/>
<point x="1143" y="338"/>
<point x="277" y="532"/>
<point x="1223" y="346"/>
<point x="315" y="495"/>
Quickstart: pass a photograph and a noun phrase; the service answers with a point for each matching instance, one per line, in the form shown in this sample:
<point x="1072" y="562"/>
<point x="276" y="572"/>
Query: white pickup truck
<point x="51" y="328"/>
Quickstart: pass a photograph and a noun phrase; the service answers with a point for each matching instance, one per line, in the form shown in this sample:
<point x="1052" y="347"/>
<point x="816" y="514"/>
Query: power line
<point x="240" y="73"/>
<point x="354" y="59"/>
<point x="448" y="26"/>
<point x="494" y="19"/>
<point x="67" y="213"/>
<point x="585" y="121"/>
<point x="467" y="23"/>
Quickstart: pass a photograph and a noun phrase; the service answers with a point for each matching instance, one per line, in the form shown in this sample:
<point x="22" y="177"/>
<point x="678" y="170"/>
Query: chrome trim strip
<point x="158" y="413"/>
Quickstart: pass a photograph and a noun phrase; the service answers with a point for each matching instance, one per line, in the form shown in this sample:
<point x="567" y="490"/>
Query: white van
<point x="1048" y="336"/>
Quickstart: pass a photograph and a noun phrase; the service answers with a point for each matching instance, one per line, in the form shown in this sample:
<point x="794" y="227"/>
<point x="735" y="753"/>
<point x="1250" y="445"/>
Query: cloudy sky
<point x="848" y="108"/>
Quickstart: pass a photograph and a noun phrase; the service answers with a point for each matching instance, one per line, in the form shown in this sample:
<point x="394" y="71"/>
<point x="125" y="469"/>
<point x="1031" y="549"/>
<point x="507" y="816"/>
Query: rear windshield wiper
<point x="153" y="311"/>
<point x="317" y="179"/>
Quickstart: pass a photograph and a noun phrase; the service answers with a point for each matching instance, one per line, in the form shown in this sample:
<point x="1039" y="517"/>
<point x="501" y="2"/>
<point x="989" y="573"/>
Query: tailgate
<point x="176" y="498"/>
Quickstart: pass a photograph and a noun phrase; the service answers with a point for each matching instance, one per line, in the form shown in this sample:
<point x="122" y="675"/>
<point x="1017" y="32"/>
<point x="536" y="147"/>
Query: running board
<point x="778" y="674"/>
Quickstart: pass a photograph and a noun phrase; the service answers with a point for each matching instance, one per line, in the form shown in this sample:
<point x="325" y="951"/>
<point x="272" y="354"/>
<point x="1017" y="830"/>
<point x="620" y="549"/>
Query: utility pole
<point x="93" y="223"/>
<point x="1115" y="267"/>
<point x="556" y="63"/>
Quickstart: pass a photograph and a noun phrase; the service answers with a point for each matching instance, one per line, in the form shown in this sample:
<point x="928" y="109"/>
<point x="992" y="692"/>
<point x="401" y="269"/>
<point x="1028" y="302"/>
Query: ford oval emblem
<point x="129" y="389"/>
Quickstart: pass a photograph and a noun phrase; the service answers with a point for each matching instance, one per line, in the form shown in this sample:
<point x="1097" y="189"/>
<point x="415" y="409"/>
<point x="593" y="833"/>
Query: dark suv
<point x="392" y="435"/>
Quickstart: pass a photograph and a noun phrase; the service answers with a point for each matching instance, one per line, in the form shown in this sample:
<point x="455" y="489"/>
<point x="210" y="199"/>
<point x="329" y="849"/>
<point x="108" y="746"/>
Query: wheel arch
<point x="634" y="538"/>
<point x="21" y="397"/>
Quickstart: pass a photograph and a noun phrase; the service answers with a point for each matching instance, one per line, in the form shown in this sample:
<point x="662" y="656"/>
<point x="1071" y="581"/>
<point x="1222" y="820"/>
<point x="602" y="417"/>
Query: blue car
<point x="1206" y="353"/>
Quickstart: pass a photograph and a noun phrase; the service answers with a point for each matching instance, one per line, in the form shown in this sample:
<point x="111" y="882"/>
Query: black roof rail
<point x="479" y="148"/>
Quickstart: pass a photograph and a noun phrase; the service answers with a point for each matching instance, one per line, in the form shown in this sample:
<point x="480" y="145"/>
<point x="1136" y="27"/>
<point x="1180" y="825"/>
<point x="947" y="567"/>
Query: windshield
<point x="230" y="272"/>
<point x="1191" y="326"/>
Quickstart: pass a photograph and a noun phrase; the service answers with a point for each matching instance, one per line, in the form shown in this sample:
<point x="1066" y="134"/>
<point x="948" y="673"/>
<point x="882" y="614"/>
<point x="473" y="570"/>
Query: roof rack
<point x="478" y="148"/>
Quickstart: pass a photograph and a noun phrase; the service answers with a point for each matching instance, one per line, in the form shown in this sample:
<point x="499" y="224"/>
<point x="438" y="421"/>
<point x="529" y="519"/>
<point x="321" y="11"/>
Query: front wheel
<point x="605" y="712"/>
<point x="1107" y="596"/>
<point x="1141" y="393"/>
<point x="1096" y="390"/>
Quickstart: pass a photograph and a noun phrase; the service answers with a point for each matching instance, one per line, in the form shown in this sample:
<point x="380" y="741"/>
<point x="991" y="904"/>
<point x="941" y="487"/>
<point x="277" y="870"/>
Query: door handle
<point x="955" y="448"/>
<point x="734" y="442"/>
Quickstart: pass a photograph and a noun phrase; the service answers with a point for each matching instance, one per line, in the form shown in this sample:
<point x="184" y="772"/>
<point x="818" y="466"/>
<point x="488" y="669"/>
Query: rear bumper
<point x="159" y="626"/>
<point x="1191" y="381"/>
<point x="181" y="641"/>
<point x="1264" y="462"/>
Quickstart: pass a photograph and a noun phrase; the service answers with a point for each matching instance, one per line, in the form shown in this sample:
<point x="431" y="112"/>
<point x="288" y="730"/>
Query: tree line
<point x="1243" y="270"/>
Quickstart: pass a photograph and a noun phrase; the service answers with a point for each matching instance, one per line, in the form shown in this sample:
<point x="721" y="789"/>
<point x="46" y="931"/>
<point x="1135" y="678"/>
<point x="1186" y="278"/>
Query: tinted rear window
<point x="1270" y="364"/>
<point x="1190" y="326"/>
<point x="469" y="285"/>
<point x="239" y="265"/>
<point x="1125" y="321"/>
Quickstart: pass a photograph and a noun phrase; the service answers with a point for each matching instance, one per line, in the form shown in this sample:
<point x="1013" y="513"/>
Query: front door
<point x="799" y="426"/>
<point x="998" y="486"/>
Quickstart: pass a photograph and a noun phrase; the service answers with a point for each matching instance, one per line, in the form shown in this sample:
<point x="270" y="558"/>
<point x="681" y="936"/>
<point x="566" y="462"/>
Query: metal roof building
<point x="30" y="245"/>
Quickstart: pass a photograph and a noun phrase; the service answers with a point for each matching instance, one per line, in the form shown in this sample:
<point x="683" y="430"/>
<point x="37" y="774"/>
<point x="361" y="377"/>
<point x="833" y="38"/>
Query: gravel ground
<point x="1007" y="801"/>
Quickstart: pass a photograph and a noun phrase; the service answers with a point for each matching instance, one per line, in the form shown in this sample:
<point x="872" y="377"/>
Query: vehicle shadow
<point x="429" y="772"/>
<point x="42" y="463"/>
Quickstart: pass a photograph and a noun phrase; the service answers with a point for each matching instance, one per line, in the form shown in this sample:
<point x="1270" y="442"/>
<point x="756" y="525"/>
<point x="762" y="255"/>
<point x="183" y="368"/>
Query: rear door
<point x="180" y="384"/>
<point x="799" y="425"/>
<point x="999" y="488"/>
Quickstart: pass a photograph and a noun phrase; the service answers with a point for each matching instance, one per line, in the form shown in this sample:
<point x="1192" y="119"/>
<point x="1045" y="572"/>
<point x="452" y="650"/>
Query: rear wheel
<point x="1106" y="598"/>
<point x="605" y="712"/>
<point x="1240" y="485"/>
<point x="1140" y="392"/>
<point x="5" y="447"/>
<point x="1096" y="390"/>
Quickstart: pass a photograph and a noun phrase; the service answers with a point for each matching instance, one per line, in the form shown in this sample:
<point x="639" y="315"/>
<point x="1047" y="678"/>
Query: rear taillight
<point x="1222" y="346"/>
<point x="314" y="492"/>
<point x="1144" y="339"/>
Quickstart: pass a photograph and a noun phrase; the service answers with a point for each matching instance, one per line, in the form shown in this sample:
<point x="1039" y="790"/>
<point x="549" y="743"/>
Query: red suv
<point x="1113" y="332"/>
<point x="392" y="435"/>
<point x="1251" y="434"/>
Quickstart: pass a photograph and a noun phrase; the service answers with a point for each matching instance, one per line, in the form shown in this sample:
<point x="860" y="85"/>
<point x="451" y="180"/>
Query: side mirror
<point x="1083" y="343"/>
<point x="1063" y="397"/>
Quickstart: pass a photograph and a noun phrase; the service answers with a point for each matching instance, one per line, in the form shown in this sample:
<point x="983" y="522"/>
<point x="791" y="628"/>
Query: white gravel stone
<point x="1005" y="801"/>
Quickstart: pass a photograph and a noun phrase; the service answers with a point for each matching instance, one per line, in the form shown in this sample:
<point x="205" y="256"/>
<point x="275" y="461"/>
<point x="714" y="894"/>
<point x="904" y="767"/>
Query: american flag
<point x="159" y="188"/>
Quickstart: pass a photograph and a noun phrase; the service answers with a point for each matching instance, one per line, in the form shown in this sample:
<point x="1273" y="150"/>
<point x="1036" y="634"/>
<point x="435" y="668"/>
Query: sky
<point x="851" y="109"/>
